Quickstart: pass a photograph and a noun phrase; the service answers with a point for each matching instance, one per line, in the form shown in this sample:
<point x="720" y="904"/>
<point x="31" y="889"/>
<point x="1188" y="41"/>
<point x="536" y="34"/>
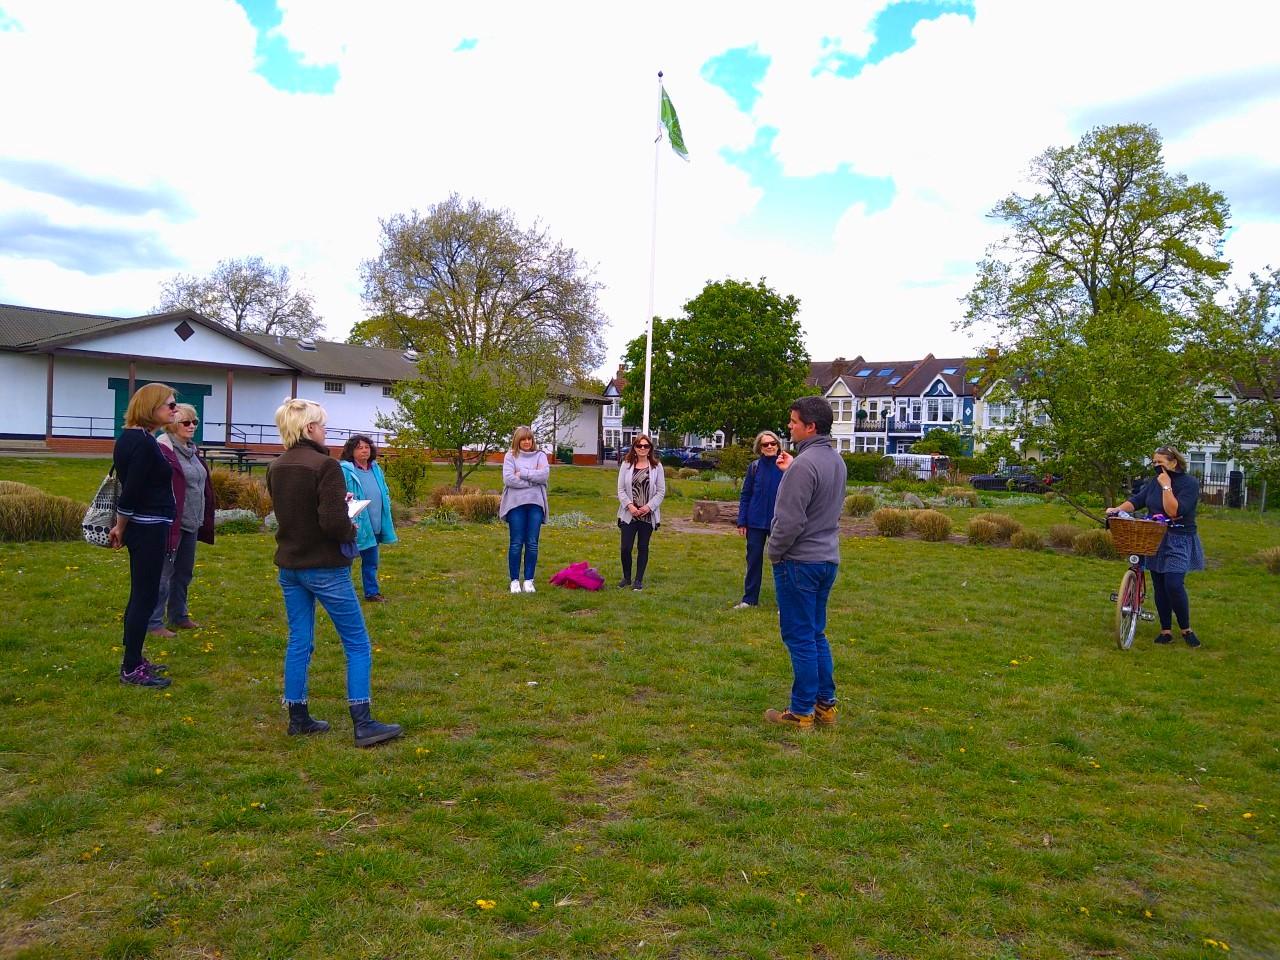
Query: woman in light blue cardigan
<point x="374" y="526"/>
<point x="525" y="472"/>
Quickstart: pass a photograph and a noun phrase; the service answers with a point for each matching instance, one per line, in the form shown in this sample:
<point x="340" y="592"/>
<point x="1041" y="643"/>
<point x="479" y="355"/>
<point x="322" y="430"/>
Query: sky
<point x="846" y="152"/>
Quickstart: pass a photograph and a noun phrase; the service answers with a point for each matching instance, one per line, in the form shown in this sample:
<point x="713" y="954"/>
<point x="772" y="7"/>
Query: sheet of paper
<point x="355" y="506"/>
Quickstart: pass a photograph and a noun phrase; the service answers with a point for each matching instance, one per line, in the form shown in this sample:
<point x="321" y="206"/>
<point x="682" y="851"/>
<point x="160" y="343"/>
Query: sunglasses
<point x="172" y="404"/>
<point x="768" y="443"/>
<point x="189" y="423"/>
<point x="643" y="446"/>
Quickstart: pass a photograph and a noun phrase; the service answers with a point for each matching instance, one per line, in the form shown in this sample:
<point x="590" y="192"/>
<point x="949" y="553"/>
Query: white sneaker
<point x="528" y="587"/>
<point x="515" y="586"/>
<point x="743" y="605"/>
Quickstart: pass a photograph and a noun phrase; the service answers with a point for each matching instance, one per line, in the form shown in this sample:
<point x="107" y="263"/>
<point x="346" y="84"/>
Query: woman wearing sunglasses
<point x="144" y="513"/>
<point x="755" y="511"/>
<point x="641" y="488"/>
<point x="193" y="510"/>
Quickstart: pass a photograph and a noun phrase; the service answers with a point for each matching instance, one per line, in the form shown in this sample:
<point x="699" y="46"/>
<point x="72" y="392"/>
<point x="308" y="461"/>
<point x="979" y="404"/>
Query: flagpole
<point x="653" y="269"/>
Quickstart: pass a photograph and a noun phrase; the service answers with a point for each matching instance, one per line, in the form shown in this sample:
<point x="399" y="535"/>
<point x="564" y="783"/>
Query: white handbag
<point x="101" y="515"/>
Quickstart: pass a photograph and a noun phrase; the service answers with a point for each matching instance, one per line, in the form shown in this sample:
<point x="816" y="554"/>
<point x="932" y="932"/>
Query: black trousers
<point x="147" y="544"/>
<point x="1171" y="599"/>
<point x="636" y="530"/>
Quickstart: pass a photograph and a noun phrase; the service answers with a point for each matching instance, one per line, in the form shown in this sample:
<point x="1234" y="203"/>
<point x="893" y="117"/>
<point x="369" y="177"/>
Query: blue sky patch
<point x="281" y="66"/>
<point x="466" y="43"/>
<point x="737" y="72"/>
<point x="892" y="31"/>
<point x="7" y="22"/>
<point x="804" y="209"/>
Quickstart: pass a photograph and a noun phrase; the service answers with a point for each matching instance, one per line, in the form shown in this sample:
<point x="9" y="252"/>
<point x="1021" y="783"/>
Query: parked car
<point x="1020" y="479"/>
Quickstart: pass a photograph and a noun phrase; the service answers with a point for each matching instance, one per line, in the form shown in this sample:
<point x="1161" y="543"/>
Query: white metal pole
<point x="653" y="268"/>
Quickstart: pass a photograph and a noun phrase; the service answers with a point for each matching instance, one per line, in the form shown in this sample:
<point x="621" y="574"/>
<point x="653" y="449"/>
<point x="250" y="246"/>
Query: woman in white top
<point x="641" y="488"/>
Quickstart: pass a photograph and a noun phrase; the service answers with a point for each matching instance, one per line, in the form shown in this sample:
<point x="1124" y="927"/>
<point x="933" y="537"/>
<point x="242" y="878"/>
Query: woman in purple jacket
<point x="755" y="511"/>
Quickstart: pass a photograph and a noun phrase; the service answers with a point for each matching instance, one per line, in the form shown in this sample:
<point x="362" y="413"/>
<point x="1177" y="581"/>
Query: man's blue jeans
<point x="525" y="523"/>
<point x="802" y="590"/>
<point x="332" y="586"/>
<point x="369" y="571"/>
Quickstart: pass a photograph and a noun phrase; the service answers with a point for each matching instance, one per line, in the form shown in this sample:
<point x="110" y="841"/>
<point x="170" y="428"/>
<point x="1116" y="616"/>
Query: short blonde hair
<point x="521" y="433"/>
<point x="186" y="412"/>
<point x="755" y="447"/>
<point x="294" y="416"/>
<point x="142" y="406"/>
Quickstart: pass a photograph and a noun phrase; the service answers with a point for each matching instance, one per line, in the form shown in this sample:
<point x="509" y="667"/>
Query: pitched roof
<point x="891" y="378"/>
<point x="346" y="361"/>
<point x="30" y="326"/>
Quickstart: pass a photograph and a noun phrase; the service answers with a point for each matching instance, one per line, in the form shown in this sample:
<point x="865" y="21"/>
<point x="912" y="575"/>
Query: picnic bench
<point x="238" y="459"/>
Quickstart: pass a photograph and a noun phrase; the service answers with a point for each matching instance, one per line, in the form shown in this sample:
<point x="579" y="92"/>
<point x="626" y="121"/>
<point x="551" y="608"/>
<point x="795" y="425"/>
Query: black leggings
<point x="147" y="544"/>
<point x="1171" y="599"/>
<point x="636" y="529"/>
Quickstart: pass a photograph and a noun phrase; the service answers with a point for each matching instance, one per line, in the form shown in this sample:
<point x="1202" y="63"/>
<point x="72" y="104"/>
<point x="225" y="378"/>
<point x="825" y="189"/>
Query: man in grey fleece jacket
<point x="804" y="546"/>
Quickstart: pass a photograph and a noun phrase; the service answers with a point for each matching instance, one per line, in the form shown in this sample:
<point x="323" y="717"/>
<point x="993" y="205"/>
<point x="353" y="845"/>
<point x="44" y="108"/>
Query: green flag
<point x="672" y="124"/>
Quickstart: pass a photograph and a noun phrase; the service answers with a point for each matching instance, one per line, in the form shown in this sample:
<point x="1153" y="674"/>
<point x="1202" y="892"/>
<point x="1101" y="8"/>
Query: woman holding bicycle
<point x="1174" y="493"/>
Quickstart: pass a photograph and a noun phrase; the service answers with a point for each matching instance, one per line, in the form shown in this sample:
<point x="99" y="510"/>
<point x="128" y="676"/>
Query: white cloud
<point x="552" y="114"/>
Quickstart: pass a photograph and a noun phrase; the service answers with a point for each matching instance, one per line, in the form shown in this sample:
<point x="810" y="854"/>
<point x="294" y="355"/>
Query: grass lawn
<point x="586" y="775"/>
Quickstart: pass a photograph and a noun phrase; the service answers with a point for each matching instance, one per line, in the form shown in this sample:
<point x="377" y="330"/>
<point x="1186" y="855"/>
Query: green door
<point x="192" y="393"/>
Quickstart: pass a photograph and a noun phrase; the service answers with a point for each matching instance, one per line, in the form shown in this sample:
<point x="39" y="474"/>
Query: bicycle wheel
<point x="1127" y="611"/>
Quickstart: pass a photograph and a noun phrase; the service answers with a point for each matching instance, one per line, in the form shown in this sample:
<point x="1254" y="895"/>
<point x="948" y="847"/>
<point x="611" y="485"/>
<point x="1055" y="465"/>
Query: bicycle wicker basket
<point x="1141" y="537"/>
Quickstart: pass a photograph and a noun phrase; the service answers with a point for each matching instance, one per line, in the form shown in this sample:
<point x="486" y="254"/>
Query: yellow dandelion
<point x="534" y="905"/>
<point x="578" y="848"/>
<point x="1248" y="816"/>
<point x="159" y="770"/>
<point x="962" y="750"/>
<point x="1084" y="911"/>
<point x="486" y="904"/>
<point x="1013" y="663"/>
<point x="1148" y="914"/>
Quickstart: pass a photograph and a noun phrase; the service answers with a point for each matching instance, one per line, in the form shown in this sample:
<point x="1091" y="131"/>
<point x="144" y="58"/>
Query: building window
<point x="933" y="413"/>
<point x="386" y="391"/>
<point x="917" y="408"/>
<point x="868" y="444"/>
<point x="613" y="409"/>
<point x="999" y="413"/>
<point x="842" y="410"/>
<point x="948" y="411"/>
<point x="335" y="386"/>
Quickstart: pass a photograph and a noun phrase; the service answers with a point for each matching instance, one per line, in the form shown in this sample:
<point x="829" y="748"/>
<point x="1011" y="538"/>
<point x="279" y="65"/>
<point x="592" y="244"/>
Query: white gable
<point x="838" y="389"/>
<point x="160" y="341"/>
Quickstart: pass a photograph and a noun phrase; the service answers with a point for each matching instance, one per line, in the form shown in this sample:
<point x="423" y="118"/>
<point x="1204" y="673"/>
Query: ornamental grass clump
<point x="931" y="525"/>
<point x="1026" y="540"/>
<point x="239" y="491"/>
<point x="1095" y="543"/>
<point x="1270" y="558"/>
<point x="686" y="473"/>
<point x="859" y="504"/>
<point x="1063" y="534"/>
<point x="436" y="496"/>
<point x="473" y="507"/>
<point x="965" y="495"/>
<point x="1005" y="525"/>
<point x="39" y="516"/>
<point x="983" y="531"/>
<point x="890" y="522"/>
<point x="9" y="487"/>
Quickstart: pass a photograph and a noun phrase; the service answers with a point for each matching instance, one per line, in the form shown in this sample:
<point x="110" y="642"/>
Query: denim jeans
<point x="175" y="578"/>
<point x="332" y="586"/>
<point x="147" y="544"/>
<point x="369" y="571"/>
<point x="756" y="540"/>
<point x="524" y="524"/>
<point x="803" y="589"/>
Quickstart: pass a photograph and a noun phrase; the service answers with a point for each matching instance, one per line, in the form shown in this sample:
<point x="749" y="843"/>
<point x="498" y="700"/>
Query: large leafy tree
<point x="1096" y="299"/>
<point x="734" y="362"/>
<point x="477" y="280"/>
<point x="1247" y="351"/>
<point x="248" y="295"/>
<point x="464" y="405"/>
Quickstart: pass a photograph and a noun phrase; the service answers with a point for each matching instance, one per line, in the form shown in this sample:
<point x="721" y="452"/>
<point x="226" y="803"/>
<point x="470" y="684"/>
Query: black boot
<point x="368" y="730"/>
<point x="300" y="721"/>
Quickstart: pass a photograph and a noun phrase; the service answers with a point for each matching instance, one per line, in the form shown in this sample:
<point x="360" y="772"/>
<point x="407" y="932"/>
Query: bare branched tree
<point x="248" y="295"/>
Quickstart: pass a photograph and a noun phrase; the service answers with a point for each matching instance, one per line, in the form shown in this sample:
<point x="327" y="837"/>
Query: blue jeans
<point x="803" y="589"/>
<point x="524" y="523"/>
<point x="756" y="540"/>
<point x="333" y="588"/>
<point x="369" y="571"/>
<point x="175" y="578"/>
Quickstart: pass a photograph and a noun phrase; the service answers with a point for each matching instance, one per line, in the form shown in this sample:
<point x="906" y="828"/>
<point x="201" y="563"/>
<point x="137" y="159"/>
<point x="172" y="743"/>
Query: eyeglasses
<point x="190" y="423"/>
<point x="643" y="446"/>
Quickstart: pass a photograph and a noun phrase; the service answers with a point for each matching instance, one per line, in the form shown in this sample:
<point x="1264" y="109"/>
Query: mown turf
<point x="1003" y="782"/>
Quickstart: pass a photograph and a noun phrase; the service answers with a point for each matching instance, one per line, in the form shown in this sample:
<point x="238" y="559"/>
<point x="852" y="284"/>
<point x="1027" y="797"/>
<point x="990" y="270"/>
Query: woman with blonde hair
<point x="525" y="472"/>
<point x="193" y="520"/>
<point x="315" y="544"/>
<point x="641" y="489"/>
<point x="755" y="511"/>
<point x="144" y="514"/>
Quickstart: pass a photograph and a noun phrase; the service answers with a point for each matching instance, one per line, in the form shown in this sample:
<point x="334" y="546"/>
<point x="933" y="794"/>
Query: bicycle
<point x="1139" y="539"/>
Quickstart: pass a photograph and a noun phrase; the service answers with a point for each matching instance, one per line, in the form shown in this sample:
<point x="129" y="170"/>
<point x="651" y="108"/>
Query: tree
<point x="474" y="278"/>
<point x="734" y="461"/>
<point x="1096" y="300"/>
<point x="248" y="295"/>
<point x="946" y="442"/>
<point x="464" y="405"/>
<point x="734" y="362"/>
<point x="1247" y="351"/>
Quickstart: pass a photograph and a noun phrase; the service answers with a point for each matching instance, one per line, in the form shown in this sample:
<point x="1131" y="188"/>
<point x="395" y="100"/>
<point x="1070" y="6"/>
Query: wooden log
<point x="715" y="511"/>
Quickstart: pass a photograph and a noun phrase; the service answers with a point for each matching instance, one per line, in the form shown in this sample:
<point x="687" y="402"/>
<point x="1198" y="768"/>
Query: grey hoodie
<point x="806" y="515"/>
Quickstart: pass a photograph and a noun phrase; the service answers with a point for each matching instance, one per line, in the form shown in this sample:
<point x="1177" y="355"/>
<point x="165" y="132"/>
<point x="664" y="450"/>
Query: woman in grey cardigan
<point x="525" y="472"/>
<point x="641" y="488"/>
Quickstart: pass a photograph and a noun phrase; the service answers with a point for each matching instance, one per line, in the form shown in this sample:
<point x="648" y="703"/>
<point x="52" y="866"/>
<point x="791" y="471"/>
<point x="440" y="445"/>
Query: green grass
<point x="602" y="755"/>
